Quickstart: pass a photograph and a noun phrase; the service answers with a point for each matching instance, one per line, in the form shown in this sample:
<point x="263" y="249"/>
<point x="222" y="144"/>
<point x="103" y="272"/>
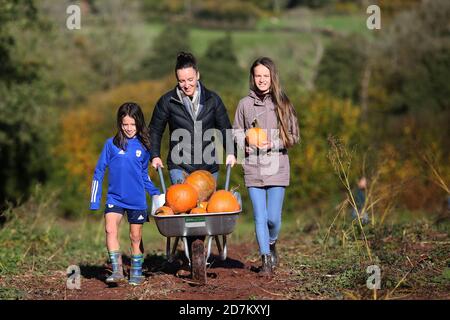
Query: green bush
<point x="321" y="116"/>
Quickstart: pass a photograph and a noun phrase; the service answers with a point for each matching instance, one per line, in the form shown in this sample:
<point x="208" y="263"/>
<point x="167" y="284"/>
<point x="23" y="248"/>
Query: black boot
<point x="266" y="267"/>
<point x="274" y="254"/>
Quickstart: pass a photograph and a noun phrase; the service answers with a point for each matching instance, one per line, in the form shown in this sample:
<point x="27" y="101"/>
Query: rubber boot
<point x="274" y="254"/>
<point x="136" y="277"/>
<point x="266" y="267"/>
<point x="117" y="270"/>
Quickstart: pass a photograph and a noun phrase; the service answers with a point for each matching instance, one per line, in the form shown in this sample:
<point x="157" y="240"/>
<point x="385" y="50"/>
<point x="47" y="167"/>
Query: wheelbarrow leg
<point x="223" y="255"/>
<point x="222" y="251"/>
<point x="208" y="253"/>
<point x="186" y="250"/>
<point x="175" y="245"/>
<point x="168" y="255"/>
<point x="170" y="252"/>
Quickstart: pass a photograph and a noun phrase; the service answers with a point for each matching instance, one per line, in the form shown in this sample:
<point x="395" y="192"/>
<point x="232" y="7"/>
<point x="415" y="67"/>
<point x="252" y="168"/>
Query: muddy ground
<point x="235" y="278"/>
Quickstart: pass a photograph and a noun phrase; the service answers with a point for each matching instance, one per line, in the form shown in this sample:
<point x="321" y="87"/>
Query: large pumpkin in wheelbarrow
<point x="203" y="181"/>
<point x="223" y="201"/>
<point x="181" y="198"/>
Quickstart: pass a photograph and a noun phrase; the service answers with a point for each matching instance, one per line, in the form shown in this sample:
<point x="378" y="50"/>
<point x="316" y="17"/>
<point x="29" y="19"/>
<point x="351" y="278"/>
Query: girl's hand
<point x="250" y="149"/>
<point x="156" y="162"/>
<point x="264" y="145"/>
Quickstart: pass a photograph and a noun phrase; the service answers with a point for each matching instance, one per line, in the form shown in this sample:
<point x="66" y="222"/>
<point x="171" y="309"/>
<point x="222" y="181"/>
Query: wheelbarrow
<point x="210" y="225"/>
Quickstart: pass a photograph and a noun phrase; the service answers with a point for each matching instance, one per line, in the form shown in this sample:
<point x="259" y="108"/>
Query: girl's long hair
<point x="286" y="114"/>
<point x="134" y="111"/>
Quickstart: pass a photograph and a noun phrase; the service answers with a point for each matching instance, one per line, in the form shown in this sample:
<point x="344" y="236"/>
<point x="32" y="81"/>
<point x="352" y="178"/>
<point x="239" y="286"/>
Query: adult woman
<point x="193" y="109"/>
<point x="266" y="165"/>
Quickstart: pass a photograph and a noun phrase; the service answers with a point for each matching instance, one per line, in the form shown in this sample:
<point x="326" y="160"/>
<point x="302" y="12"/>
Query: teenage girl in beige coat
<point x="266" y="165"/>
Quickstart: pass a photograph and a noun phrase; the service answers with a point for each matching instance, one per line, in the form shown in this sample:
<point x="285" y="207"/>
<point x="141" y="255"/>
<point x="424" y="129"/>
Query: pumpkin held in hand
<point x="223" y="201"/>
<point x="256" y="137"/>
<point x="203" y="181"/>
<point x="181" y="197"/>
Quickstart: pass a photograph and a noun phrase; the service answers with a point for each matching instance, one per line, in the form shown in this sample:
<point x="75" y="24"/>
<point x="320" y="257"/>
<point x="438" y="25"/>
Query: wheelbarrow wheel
<point x="198" y="262"/>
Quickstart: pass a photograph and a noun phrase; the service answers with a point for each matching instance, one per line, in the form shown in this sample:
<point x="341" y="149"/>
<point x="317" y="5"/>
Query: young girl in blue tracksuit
<point x="127" y="156"/>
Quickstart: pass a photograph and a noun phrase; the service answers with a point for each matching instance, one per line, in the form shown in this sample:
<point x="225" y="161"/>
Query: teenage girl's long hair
<point x="287" y="117"/>
<point x="134" y="111"/>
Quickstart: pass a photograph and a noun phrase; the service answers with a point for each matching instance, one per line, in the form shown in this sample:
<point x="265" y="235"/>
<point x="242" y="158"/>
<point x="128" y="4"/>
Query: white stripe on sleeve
<point x="94" y="190"/>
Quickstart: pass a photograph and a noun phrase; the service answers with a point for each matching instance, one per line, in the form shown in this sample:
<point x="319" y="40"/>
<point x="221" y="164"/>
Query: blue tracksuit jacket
<point x="127" y="178"/>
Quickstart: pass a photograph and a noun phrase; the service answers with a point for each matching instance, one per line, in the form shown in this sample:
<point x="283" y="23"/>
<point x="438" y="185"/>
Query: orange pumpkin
<point x="181" y="197"/>
<point x="256" y="137"/>
<point x="203" y="181"/>
<point x="198" y="210"/>
<point x="203" y="204"/>
<point x="223" y="201"/>
<point x="164" y="211"/>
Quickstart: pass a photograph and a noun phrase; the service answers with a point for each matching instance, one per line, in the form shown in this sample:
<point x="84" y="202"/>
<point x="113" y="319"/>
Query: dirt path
<point x="411" y="269"/>
<point x="235" y="278"/>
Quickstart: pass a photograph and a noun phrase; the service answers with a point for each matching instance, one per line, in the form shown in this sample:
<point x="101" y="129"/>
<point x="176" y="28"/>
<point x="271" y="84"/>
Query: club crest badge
<point x="138" y="153"/>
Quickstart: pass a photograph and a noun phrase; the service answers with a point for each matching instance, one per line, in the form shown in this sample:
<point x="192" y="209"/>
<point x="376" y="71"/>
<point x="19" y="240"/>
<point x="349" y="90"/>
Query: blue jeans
<point x="267" y="204"/>
<point x="178" y="175"/>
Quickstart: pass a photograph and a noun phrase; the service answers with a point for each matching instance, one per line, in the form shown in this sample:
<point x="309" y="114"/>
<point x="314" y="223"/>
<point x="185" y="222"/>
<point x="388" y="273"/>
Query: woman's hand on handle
<point x="156" y="162"/>
<point x="231" y="160"/>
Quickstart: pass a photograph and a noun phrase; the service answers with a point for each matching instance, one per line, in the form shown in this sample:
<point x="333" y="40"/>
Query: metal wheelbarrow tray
<point x="185" y="225"/>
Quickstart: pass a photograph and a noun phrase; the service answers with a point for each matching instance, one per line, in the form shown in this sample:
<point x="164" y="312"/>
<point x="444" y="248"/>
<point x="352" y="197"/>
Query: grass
<point x="35" y="240"/>
<point x="343" y="23"/>
<point x="305" y="20"/>
<point x="330" y="261"/>
<point x="326" y="254"/>
<point x="411" y="253"/>
<point x="409" y="267"/>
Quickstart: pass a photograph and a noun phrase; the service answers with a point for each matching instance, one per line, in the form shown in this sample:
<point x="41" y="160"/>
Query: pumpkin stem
<point x="255" y="123"/>
<point x="234" y="188"/>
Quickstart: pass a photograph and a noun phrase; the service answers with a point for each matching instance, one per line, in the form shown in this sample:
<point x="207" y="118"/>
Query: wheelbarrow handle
<point x="227" y="180"/>
<point x="161" y="179"/>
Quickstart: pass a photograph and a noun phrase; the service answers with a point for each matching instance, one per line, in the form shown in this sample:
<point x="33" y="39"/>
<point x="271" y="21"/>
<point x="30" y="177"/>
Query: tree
<point x="22" y="13"/>
<point x="219" y="66"/>
<point x="173" y="39"/>
<point x="23" y="130"/>
<point x="341" y="68"/>
<point x="414" y="77"/>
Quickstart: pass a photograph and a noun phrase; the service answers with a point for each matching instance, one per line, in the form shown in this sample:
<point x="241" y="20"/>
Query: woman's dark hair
<point x="185" y="60"/>
<point x="134" y="111"/>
